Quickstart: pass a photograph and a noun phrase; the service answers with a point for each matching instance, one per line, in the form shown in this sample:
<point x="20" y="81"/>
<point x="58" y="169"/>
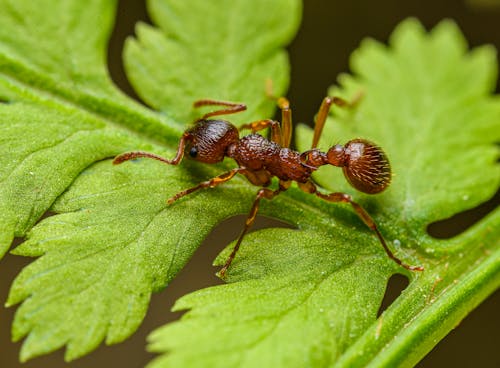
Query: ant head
<point x="365" y="165"/>
<point x="209" y="140"/>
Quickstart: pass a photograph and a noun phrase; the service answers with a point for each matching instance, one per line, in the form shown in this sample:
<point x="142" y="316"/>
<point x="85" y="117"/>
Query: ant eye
<point x="193" y="152"/>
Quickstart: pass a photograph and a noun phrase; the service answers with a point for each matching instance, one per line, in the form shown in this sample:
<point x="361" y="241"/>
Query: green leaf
<point x="63" y="112"/>
<point x="113" y="240"/>
<point x="225" y="49"/>
<point x="297" y="297"/>
<point x="309" y="297"/>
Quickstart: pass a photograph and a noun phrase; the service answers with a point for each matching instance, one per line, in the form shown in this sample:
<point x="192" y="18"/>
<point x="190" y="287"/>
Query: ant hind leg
<point x="310" y="187"/>
<point x="324" y="109"/>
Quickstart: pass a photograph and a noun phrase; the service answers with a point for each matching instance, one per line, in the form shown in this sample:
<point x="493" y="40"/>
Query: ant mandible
<point x="364" y="164"/>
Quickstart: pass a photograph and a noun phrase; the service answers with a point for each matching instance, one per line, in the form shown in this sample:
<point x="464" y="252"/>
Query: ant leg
<point x="286" y="114"/>
<point x="263" y="124"/>
<point x="232" y="107"/>
<point x="286" y="121"/>
<point x="222" y="178"/>
<point x="323" y="111"/>
<point x="136" y="154"/>
<point x="309" y="187"/>
<point x="262" y="193"/>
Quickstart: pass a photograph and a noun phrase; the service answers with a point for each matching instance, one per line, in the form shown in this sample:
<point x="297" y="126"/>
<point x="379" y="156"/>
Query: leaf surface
<point x="113" y="240"/>
<point x="61" y="111"/>
<point x="309" y="297"/>
<point x="229" y="51"/>
<point x="296" y="297"/>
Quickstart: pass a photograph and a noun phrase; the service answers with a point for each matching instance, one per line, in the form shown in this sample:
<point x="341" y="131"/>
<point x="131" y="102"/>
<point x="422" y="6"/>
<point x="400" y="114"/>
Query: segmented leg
<point x="232" y="107"/>
<point x="286" y="114"/>
<point x="323" y="111"/>
<point x="286" y="121"/>
<point x="222" y="178"/>
<point x="263" y="124"/>
<point x="137" y="154"/>
<point x="310" y="187"/>
<point x="262" y="193"/>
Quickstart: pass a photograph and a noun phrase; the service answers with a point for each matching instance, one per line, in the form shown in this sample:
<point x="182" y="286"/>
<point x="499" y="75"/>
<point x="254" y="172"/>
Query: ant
<point x="259" y="159"/>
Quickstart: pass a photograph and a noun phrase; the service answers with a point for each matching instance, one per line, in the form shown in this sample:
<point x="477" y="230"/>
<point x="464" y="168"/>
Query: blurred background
<point x="330" y="31"/>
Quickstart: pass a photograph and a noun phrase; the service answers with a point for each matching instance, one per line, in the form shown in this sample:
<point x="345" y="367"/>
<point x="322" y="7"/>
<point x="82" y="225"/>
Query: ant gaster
<point x="365" y="165"/>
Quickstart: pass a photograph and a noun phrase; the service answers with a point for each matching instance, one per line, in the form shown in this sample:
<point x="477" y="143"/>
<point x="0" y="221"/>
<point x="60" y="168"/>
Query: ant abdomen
<point x="366" y="167"/>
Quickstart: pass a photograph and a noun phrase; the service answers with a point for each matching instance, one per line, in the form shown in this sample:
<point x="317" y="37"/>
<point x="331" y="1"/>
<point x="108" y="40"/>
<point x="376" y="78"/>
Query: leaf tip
<point x="409" y="27"/>
<point x="449" y="29"/>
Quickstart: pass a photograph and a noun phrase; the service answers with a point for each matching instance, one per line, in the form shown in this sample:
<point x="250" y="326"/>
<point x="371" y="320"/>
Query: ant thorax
<point x="258" y="153"/>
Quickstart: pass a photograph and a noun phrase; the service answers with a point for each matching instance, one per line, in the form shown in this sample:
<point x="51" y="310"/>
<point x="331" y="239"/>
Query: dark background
<point x="330" y="31"/>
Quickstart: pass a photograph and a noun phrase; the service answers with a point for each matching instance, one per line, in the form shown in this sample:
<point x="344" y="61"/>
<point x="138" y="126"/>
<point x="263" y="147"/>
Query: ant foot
<point x="222" y="273"/>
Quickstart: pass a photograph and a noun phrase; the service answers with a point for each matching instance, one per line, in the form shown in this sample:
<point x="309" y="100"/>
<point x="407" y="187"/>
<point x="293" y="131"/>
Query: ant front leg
<point x="309" y="187"/>
<point x="137" y="154"/>
<point x="262" y="193"/>
<point x="231" y="107"/>
<point x="218" y="180"/>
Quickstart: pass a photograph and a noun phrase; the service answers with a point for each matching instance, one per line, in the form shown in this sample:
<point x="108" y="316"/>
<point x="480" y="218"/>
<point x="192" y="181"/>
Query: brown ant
<point x="365" y="165"/>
